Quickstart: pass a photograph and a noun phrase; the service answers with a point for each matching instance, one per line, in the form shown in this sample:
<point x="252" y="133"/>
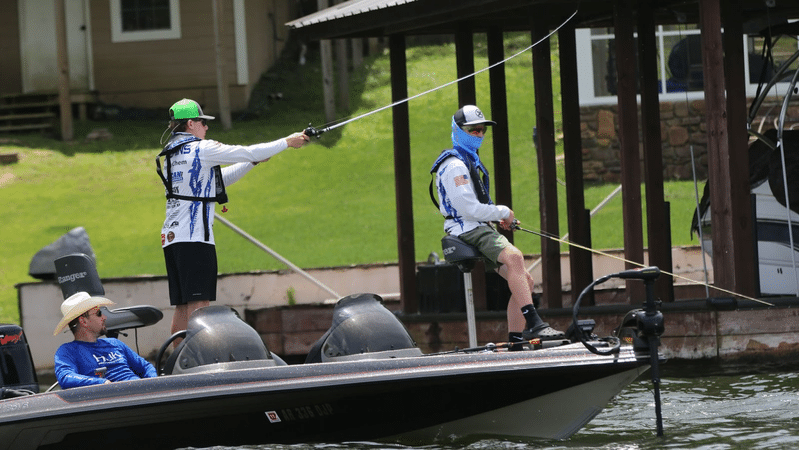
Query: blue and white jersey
<point x="76" y="363"/>
<point x="193" y="175"/>
<point x="458" y="201"/>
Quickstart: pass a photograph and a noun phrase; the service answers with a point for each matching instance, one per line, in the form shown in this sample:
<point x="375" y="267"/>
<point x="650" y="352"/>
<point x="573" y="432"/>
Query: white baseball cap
<point x="470" y="115"/>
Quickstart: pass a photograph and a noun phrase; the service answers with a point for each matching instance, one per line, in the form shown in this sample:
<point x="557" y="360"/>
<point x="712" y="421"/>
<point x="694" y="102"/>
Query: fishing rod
<point x="543" y="234"/>
<point x="311" y="131"/>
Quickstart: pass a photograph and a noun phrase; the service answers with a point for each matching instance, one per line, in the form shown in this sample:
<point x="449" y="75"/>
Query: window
<point x="144" y="20"/>
<point x="679" y="63"/>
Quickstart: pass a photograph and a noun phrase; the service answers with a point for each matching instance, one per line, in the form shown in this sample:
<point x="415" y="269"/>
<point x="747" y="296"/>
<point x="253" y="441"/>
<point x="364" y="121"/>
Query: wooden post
<point x="464" y="60"/>
<point x="64" y="101"/>
<point x="326" y="56"/>
<point x="499" y="114"/>
<point x="222" y="89"/>
<point x="402" y="175"/>
<point x="342" y="75"/>
<point x="658" y="228"/>
<point x="728" y="172"/>
<point x="551" y="281"/>
<point x="628" y="139"/>
<point x="357" y="52"/>
<point x="580" y="262"/>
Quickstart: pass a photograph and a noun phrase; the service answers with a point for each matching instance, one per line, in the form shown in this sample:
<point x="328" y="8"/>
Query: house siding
<point x="154" y="74"/>
<point x="267" y="34"/>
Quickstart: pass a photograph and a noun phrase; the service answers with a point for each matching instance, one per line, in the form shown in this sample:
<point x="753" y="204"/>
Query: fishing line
<point x="599" y="252"/>
<point x="311" y="131"/>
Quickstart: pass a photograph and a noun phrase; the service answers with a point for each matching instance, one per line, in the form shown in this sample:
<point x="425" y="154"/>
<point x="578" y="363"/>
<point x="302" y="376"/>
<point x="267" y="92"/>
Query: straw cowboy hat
<point x="77" y="304"/>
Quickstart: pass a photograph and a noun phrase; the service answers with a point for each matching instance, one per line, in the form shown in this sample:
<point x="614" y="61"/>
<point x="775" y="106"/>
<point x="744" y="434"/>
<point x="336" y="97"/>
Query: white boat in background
<point x="778" y="261"/>
<point x="776" y="207"/>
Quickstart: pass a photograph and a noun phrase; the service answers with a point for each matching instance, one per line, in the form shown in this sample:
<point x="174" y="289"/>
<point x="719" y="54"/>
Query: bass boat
<point x="364" y="380"/>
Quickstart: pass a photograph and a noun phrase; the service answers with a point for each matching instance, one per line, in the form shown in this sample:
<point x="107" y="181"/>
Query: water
<point x="719" y="412"/>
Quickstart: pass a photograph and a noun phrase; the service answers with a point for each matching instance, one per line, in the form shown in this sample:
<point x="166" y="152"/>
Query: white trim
<point x="585" y="70"/>
<point x="117" y="35"/>
<point x="240" y="27"/>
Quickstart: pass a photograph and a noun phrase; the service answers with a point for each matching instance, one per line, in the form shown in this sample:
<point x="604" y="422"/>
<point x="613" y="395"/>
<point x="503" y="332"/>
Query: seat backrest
<point x="76" y="273"/>
<point x="459" y="253"/>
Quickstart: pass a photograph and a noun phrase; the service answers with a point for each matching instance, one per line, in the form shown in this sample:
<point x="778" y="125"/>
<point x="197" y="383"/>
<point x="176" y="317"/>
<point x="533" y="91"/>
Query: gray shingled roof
<point x="349" y="8"/>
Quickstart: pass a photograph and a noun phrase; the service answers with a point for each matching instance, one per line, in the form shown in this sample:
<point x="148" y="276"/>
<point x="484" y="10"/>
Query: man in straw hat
<point x="89" y="359"/>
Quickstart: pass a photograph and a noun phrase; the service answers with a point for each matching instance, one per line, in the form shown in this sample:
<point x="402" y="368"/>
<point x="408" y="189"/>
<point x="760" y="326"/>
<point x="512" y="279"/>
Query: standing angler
<point x="194" y="181"/>
<point x="464" y="200"/>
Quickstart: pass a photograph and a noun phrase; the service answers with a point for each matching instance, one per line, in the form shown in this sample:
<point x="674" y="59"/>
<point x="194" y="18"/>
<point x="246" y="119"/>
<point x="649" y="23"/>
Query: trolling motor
<point x="643" y="327"/>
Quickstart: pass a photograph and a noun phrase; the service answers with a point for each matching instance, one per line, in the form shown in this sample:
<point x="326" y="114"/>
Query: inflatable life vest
<point x="175" y="144"/>
<point x="477" y="172"/>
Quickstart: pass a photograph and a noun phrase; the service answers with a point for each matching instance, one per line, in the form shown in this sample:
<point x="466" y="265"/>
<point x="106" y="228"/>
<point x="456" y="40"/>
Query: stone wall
<point x="682" y="128"/>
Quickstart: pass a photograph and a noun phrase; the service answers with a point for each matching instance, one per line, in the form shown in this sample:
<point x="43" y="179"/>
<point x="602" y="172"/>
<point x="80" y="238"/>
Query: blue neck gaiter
<point x="466" y="142"/>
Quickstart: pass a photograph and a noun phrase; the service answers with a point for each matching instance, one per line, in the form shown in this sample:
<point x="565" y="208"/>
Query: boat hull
<point x="536" y="394"/>
<point x="778" y="262"/>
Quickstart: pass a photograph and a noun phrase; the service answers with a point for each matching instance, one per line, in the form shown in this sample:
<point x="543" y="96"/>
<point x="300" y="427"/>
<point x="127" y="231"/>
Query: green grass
<point x="330" y="203"/>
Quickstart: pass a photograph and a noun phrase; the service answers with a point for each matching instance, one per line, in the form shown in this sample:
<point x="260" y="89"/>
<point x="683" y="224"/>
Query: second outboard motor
<point x="217" y="339"/>
<point x="364" y="328"/>
<point x="17" y="374"/>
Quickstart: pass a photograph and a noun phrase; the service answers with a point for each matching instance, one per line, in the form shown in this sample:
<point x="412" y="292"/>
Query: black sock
<point x="516" y="340"/>
<point x="531" y="317"/>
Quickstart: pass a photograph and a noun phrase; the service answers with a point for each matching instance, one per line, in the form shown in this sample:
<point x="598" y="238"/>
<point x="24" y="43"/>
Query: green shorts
<point x="490" y="243"/>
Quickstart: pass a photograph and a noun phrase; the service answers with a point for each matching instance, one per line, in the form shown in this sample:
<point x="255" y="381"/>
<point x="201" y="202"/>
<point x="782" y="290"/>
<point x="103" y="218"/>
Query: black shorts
<point x="191" y="270"/>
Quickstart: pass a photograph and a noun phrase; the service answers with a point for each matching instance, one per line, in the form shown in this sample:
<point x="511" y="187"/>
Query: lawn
<point x="330" y="203"/>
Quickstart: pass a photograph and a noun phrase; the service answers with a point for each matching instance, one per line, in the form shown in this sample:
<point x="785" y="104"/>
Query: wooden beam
<point x="728" y="158"/>
<point x="551" y="282"/>
<point x="580" y="262"/>
<point x="326" y="57"/>
<point x="628" y="140"/>
<point x="343" y="75"/>
<point x="499" y="132"/>
<point x="402" y="175"/>
<point x="222" y="88"/>
<point x="464" y="61"/>
<point x="658" y="228"/>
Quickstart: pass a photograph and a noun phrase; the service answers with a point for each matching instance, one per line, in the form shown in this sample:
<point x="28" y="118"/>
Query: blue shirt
<point x="77" y="361"/>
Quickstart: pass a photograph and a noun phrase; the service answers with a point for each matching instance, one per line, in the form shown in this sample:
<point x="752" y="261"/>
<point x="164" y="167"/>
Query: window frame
<point x="585" y="72"/>
<point x="118" y="35"/>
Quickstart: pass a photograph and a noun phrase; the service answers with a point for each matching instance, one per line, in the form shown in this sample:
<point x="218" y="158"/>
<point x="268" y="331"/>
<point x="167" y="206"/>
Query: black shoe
<point x="544" y="332"/>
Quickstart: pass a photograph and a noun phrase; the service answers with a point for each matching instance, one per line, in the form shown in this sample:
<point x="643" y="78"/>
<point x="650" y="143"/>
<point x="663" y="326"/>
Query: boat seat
<point x="76" y="273"/>
<point x="128" y="317"/>
<point x="464" y="256"/>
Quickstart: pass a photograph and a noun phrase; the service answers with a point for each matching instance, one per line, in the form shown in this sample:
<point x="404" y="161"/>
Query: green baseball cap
<point x="187" y="109"/>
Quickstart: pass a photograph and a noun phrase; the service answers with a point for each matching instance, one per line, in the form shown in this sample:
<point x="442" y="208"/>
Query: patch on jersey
<point x="460" y="180"/>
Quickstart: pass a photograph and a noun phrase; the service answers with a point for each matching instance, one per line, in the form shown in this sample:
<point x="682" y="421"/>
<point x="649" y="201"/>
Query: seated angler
<point x="463" y="192"/>
<point x="90" y="359"/>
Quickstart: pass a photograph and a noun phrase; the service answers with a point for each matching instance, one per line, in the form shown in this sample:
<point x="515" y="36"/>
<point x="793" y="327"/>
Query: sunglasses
<point x="204" y="121"/>
<point x="476" y="129"/>
<point x="98" y="313"/>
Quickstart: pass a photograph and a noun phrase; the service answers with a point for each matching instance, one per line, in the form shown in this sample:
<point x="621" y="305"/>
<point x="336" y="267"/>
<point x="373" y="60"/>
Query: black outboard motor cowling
<point x="216" y="339"/>
<point x="17" y="374"/>
<point x="361" y="325"/>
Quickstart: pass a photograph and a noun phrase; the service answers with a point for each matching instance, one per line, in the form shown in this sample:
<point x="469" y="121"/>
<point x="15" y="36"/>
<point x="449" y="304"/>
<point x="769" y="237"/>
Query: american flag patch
<point x="460" y="180"/>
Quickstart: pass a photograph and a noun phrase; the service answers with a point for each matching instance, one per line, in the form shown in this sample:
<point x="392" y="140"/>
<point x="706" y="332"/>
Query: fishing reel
<point x="313" y="132"/>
